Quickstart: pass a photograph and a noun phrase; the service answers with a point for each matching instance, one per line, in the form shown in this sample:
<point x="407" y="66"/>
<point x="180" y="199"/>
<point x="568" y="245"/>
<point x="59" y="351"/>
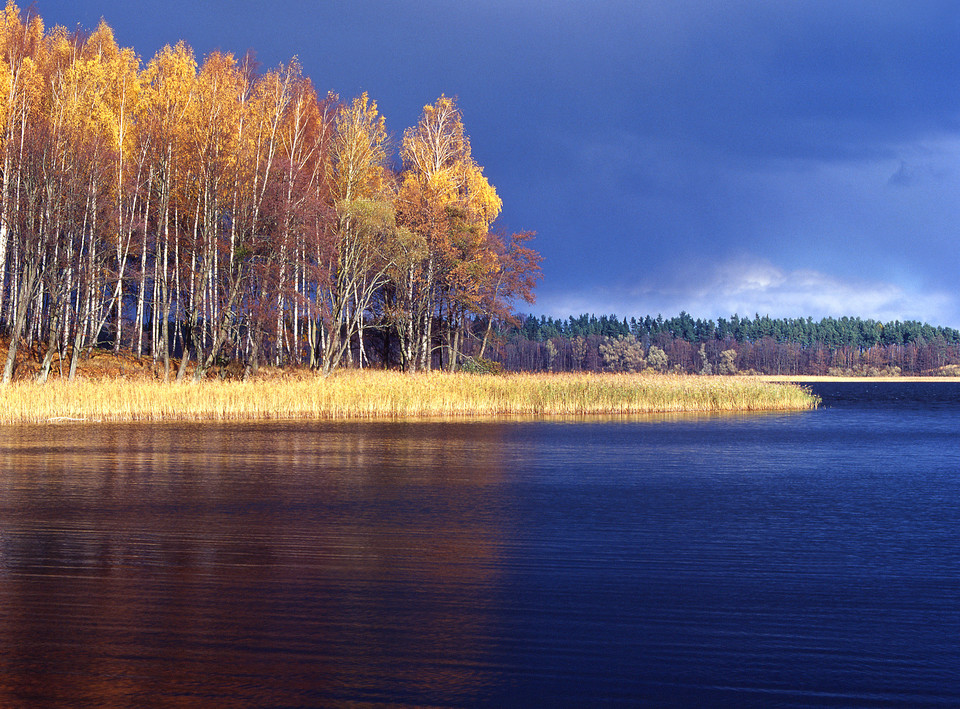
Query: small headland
<point x="116" y="388"/>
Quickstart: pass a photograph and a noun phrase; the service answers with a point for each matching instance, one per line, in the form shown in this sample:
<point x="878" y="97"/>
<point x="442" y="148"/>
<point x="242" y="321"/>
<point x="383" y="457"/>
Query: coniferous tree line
<point x="214" y="211"/>
<point x="730" y="345"/>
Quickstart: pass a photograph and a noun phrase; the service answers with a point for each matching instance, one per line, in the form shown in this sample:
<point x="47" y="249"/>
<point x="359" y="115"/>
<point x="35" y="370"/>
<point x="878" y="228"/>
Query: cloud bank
<point x="749" y="286"/>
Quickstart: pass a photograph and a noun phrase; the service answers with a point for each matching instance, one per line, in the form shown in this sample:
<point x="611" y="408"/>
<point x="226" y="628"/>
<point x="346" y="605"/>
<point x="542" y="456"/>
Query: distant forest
<point x="761" y="345"/>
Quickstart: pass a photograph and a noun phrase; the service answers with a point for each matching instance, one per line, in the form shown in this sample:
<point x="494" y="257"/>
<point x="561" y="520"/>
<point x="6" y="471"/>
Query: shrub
<point x="480" y="365"/>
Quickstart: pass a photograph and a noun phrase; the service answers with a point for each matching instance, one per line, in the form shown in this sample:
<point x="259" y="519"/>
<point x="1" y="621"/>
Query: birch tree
<point x="364" y="227"/>
<point x="445" y="198"/>
<point x="169" y="94"/>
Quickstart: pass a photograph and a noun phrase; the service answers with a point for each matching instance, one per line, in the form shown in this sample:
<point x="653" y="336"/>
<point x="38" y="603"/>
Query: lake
<point x="808" y="559"/>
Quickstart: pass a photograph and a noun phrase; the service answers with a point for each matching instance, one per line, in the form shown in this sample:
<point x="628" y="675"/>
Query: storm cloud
<point x="656" y="146"/>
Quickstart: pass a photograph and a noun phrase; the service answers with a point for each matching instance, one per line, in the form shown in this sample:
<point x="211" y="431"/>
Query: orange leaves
<point x="170" y="81"/>
<point x="446" y="199"/>
<point x="171" y="77"/>
<point x="226" y="178"/>
<point x="101" y="46"/>
<point x="214" y="120"/>
<point x="20" y="34"/>
<point x="437" y="159"/>
<point x="445" y="196"/>
<point x="359" y="154"/>
<point x="481" y="198"/>
<point x="98" y="91"/>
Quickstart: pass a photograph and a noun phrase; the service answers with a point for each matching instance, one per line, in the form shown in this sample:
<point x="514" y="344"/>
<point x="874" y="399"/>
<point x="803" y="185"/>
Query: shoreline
<point x="385" y="395"/>
<point x="813" y="378"/>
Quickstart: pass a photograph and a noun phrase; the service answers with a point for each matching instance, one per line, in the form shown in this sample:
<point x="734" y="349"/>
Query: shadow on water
<point x="886" y="394"/>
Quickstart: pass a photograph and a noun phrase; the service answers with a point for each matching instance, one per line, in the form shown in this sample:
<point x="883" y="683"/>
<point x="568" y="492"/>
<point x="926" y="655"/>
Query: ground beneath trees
<point x="100" y="363"/>
<point x="123" y="364"/>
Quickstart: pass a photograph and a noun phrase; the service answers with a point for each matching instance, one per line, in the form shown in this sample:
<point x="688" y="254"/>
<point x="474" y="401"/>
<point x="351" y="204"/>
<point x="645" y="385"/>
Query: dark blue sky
<point x="788" y="158"/>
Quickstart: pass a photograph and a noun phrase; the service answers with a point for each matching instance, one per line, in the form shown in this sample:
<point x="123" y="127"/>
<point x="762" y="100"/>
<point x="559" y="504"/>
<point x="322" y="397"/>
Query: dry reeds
<point x="386" y="395"/>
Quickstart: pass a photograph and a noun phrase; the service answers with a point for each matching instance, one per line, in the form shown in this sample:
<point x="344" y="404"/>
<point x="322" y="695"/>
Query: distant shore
<point x="811" y="378"/>
<point x="388" y="395"/>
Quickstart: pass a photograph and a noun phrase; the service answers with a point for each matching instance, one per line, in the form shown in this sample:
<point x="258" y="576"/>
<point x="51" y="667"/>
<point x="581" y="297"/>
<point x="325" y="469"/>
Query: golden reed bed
<point x="391" y="395"/>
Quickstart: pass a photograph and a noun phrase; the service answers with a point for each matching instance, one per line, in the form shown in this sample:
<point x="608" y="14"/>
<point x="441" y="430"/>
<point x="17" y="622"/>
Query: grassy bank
<point x="386" y="395"/>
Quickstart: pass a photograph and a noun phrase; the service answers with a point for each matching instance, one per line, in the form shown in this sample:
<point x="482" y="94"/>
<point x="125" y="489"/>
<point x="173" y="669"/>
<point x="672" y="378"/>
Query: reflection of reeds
<point x="377" y="394"/>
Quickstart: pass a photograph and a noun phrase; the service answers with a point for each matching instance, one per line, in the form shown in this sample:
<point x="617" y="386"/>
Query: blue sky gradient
<point x="796" y="158"/>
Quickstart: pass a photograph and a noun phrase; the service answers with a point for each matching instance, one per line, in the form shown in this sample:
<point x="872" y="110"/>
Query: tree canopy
<point x="212" y="210"/>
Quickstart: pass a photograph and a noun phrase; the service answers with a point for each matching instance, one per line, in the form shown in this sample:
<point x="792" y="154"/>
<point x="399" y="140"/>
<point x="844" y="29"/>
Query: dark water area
<point x="808" y="559"/>
<point x="885" y="394"/>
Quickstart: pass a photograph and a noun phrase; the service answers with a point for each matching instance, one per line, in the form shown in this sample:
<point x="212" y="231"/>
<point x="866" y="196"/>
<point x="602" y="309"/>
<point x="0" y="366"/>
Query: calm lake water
<point x="807" y="559"/>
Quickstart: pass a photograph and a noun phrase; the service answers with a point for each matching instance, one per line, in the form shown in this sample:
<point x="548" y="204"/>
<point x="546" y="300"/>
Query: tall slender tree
<point x="445" y="198"/>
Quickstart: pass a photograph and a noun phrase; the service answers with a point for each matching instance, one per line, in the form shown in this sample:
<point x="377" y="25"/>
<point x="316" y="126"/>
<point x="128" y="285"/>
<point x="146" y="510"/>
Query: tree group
<point x="219" y="212"/>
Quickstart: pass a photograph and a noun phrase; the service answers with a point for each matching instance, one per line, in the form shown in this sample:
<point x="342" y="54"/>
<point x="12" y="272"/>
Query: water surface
<point x="805" y="559"/>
